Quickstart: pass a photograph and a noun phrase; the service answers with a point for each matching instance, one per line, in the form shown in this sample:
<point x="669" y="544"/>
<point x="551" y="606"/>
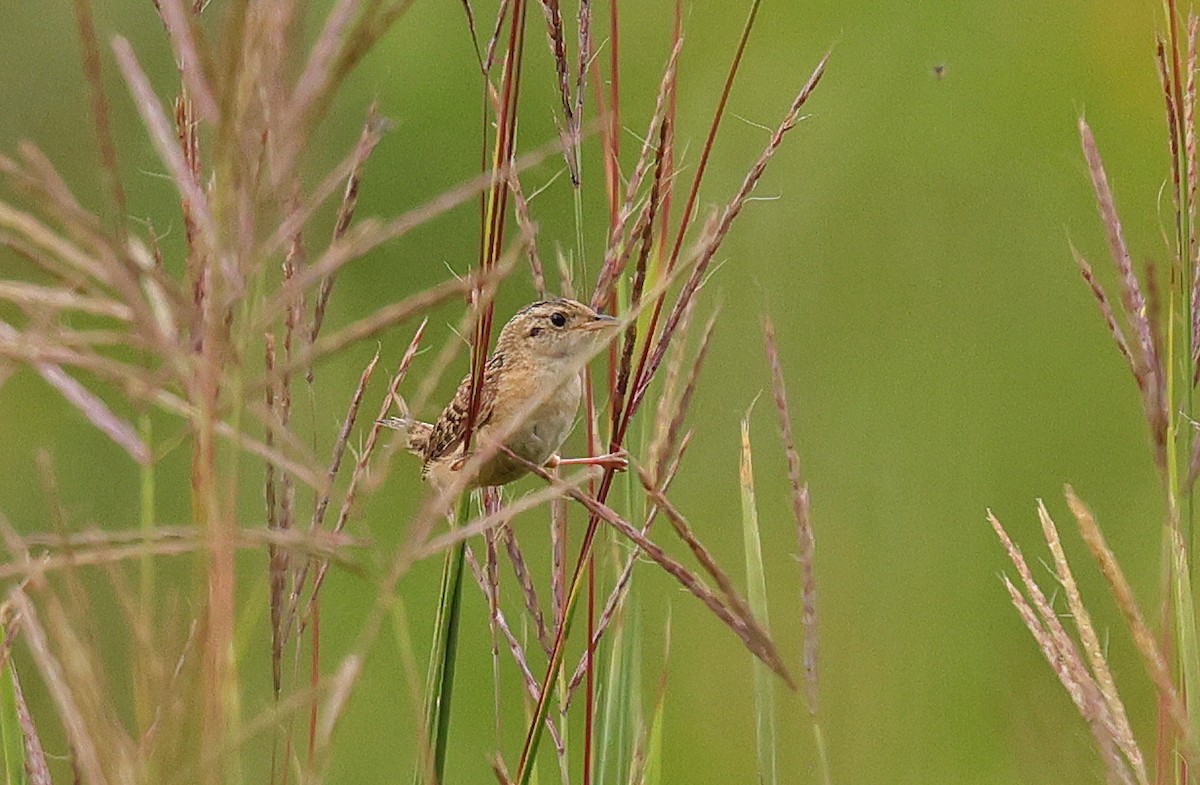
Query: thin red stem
<point x="690" y="205"/>
<point x="614" y="134"/>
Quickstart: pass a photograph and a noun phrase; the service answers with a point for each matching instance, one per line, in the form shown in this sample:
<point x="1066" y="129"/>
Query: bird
<point x="528" y="400"/>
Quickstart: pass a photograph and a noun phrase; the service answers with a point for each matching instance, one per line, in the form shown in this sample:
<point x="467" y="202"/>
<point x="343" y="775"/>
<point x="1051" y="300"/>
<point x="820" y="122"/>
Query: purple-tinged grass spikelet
<point x="36" y="766"/>
<point x="1110" y="319"/>
<point x="1131" y="292"/>
<point x="1114" y="765"/>
<point x="85" y="22"/>
<point x="525" y="580"/>
<point x="804" y="528"/>
<point x="712" y="242"/>
<point x="372" y="132"/>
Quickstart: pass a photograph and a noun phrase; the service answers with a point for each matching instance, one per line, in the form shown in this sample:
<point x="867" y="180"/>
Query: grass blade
<point x="442" y="658"/>
<point x="10" y="722"/>
<point x="756" y="595"/>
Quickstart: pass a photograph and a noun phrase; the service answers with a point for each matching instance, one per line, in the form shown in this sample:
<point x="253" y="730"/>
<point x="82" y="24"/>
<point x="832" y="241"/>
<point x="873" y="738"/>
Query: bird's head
<point x="556" y="330"/>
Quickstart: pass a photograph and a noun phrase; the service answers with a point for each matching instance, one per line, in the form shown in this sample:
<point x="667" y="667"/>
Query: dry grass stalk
<point x="276" y="565"/>
<point x="1062" y="654"/>
<point x="804" y="528"/>
<point x="1123" y="733"/>
<point x="357" y="477"/>
<point x="558" y="50"/>
<point x="1147" y="365"/>
<point x="167" y="541"/>
<point x="1106" y="311"/>
<point x="616" y="596"/>
<point x="36" y="766"/>
<point x="734" y="600"/>
<point x="712" y="242"/>
<point x="372" y="132"/>
<point x="747" y="630"/>
<point x="81" y="735"/>
<point x="499" y="619"/>
<point x="1147" y="646"/>
<point x="525" y="580"/>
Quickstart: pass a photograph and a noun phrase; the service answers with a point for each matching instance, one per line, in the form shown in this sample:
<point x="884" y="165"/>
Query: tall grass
<point x="230" y="330"/>
<point x="1159" y="339"/>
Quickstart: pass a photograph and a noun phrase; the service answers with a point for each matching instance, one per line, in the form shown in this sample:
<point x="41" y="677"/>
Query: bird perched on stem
<point x="528" y="400"/>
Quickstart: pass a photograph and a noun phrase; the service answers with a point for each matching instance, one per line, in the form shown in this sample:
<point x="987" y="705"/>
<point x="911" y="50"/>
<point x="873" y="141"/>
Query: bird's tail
<point x="415" y="431"/>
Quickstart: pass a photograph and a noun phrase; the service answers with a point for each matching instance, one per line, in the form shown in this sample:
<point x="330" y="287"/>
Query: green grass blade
<point x="622" y="694"/>
<point x="11" y="740"/>
<point x="439" y="686"/>
<point x="756" y="591"/>
<point x="1185" y="630"/>
<point x="652" y="771"/>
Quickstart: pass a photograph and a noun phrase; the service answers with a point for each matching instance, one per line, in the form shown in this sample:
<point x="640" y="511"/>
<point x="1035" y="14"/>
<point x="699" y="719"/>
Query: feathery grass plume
<point x="1163" y="351"/>
<point x="525" y="580"/>
<point x="1153" y="659"/>
<point x="804" y="528"/>
<point x="806" y="541"/>
<point x="1063" y="655"/>
<point x="1146" y="364"/>
<point x="1090" y="641"/>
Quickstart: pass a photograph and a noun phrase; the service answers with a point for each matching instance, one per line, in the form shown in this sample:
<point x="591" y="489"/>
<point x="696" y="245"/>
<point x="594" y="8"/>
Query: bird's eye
<point x="558" y="319"/>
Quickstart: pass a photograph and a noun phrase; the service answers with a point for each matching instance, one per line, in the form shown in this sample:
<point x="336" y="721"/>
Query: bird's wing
<point x="447" y="433"/>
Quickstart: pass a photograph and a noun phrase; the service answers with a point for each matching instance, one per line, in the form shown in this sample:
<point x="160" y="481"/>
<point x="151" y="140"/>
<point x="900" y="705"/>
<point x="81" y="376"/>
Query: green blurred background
<point x="943" y="355"/>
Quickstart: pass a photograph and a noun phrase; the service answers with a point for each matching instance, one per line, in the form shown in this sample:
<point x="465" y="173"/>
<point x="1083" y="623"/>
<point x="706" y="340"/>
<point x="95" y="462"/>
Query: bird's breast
<point x="547" y="426"/>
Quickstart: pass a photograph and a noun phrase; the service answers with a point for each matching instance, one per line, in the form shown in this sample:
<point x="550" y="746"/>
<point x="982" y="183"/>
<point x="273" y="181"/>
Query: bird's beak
<point x="600" y="322"/>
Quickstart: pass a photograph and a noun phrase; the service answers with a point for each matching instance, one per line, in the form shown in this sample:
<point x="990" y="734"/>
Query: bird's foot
<point x="616" y="461"/>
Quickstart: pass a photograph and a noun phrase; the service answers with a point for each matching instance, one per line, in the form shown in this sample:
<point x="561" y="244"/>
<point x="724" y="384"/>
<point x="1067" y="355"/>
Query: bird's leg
<point x="617" y="461"/>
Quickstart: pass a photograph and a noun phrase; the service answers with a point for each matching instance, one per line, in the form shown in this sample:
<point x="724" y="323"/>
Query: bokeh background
<point x="943" y="355"/>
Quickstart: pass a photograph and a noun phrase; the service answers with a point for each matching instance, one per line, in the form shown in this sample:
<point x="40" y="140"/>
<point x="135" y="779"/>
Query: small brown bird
<point x="531" y="390"/>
